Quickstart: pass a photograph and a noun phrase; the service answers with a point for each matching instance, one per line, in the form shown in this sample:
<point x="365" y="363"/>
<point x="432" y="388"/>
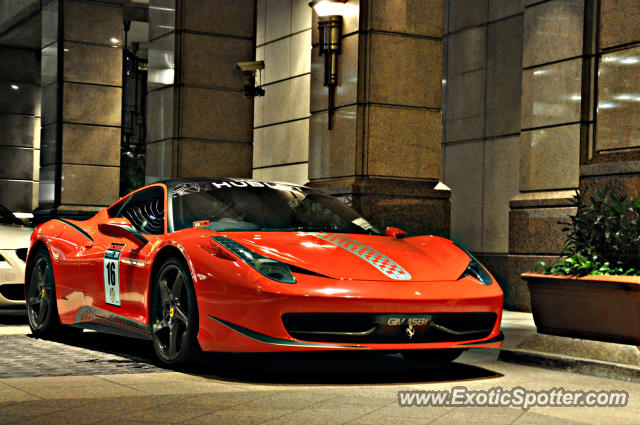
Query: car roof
<point x="172" y="183"/>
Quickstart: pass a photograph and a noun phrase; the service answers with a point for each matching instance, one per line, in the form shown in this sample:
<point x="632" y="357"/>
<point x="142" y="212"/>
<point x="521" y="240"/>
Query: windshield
<point x="256" y="206"/>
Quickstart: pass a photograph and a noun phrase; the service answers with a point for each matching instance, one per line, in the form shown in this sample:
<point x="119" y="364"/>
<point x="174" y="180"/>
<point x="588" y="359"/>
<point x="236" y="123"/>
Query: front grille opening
<point x="22" y="254"/>
<point x="389" y="327"/>
<point x="13" y="292"/>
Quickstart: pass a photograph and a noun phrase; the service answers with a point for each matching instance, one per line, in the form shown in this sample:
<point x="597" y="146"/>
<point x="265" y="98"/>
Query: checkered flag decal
<point x="378" y="260"/>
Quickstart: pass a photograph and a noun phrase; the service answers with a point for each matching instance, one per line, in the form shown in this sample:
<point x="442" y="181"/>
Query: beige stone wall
<point x="13" y="10"/>
<point x="481" y="149"/>
<point x="19" y="128"/>
<point x="281" y="117"/>
<point x="81" y="104"/>
<point x="199" y="120"/>
<point x="20" y="104"/>
<point x="383" y="153"/>
<point x="541" y="98"/>
<point x="612" y="146"/>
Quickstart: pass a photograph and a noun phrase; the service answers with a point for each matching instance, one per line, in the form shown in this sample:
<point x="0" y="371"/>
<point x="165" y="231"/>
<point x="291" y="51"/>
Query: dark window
<point x="134" y="127"/>
<point x="145" y="211"/>
<point x="113" y="209"/>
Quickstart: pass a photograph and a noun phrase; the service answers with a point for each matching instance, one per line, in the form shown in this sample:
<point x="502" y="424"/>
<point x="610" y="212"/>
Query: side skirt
<point x="105" y="321"/>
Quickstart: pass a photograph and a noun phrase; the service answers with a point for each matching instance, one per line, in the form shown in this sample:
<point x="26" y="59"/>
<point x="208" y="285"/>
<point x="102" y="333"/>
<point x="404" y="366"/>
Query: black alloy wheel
<point x="42" y="311"/>
<point x="174" y="313"/>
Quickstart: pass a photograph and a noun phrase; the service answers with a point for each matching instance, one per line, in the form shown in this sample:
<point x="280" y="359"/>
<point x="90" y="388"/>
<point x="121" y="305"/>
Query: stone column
<point x="81" y="106"/>
<point x="199" y="121"/>
<point x="481" y="146"/>
<point x="555" y="116"/>
<point x="19" y="128"/>
<point x="281" y="116"/>
<point x="611" y="153"/>
<point x="383" y="153"/>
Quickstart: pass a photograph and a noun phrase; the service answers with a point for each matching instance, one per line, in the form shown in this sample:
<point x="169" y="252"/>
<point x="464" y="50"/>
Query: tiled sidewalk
<point x="525" y="346"/>
<point x="288" y="389"/>
<point x="24" y="356"/>
<point x="172" y="397"/>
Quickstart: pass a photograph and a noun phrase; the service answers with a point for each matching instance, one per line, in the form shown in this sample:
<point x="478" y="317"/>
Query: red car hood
<point x="361" y="257"/>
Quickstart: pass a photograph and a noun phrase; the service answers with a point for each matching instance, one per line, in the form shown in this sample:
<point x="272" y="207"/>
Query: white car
<point x="14" y="243"/>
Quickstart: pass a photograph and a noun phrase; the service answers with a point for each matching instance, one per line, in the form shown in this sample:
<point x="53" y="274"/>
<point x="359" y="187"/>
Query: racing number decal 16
<point x="112" y="275"/>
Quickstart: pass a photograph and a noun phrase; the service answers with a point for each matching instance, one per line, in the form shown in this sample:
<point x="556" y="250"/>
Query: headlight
<point x="268" y="267"/>
<point x="478" y="271"/>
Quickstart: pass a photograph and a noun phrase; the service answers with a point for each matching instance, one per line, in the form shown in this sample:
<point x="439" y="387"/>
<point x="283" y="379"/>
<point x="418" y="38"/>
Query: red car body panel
<point x="240" y="310"/>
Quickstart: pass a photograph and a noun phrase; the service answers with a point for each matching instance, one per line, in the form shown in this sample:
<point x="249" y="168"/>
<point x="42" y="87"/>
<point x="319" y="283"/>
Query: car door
<point x="116" y="268"/>
<point x="126" y="265"/>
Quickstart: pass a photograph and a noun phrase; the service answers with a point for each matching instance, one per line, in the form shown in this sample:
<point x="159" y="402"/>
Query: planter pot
<point x="603" y="308"/>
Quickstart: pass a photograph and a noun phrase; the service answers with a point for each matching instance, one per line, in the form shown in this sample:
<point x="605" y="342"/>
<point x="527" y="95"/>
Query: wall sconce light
<point x="251" y="69"/>
<point x="330" y="27"/>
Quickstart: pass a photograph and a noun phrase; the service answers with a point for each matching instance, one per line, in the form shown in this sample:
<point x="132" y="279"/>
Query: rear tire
<point x="174" y="313"/>
<point x="436" y="357"/>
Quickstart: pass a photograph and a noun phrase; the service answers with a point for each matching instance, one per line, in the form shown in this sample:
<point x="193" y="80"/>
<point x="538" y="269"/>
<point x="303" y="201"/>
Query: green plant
<point x="603" y="237"/>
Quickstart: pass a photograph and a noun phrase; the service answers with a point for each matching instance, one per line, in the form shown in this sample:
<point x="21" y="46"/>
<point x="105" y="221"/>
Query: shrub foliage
<point x="603" y="236"/>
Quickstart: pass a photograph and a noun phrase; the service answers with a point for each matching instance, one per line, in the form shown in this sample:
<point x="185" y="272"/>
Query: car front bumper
<point x="12" y="270"/>
<point x="246" y="320"/>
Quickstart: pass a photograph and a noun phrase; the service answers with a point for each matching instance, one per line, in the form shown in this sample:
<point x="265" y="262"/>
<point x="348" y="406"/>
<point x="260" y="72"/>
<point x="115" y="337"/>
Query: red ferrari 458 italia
<point x="234" y="265"/>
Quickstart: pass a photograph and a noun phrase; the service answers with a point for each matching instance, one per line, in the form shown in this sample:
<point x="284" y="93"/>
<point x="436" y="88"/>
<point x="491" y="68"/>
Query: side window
<point x="113" y="209"/>
<point x="145" y="211"/>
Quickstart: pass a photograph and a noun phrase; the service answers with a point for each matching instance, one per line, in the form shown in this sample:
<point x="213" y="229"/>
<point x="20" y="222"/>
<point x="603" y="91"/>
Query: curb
<point x="579" y="365"/>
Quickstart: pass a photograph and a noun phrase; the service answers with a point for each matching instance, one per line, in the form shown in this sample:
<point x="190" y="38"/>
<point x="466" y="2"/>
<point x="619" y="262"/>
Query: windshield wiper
<point x="329" y="229"/>
<point x="307" y="229"/>
<point x="318" y="229"/>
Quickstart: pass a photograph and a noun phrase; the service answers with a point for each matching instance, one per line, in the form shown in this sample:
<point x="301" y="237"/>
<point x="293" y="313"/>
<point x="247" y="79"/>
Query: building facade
<point x="476" y="119"/>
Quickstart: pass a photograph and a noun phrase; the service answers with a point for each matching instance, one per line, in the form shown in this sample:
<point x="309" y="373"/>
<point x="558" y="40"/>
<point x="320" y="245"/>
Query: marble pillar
<point x="19" y="128"/>
<point x="555" y="115"/>
<point x="481" y="143"/>
<point x="611" y="152"/>
<point x="81" y="106"/>
<point x="281" y="116"/>
<point x="199" y="121"/>
<point x="383" y="153"/>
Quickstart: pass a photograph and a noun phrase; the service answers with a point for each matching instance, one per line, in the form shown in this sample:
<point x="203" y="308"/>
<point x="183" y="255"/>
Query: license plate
<point x="409" y="325"/>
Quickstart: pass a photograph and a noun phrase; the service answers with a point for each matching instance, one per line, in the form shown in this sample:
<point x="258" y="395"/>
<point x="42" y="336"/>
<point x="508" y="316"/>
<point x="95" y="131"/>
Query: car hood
<point x="14" y="237"/>
<point x="361" y="257"/>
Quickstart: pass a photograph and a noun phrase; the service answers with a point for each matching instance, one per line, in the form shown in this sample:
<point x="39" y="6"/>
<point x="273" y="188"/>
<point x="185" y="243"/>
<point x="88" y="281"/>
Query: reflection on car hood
<point x="361" y="257"/>
<point x="14" y="237"/>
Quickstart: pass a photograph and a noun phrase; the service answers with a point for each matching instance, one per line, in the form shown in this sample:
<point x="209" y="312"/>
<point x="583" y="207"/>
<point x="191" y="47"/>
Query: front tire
<point x="174" y="313"/>
<point x="42" y="310"/>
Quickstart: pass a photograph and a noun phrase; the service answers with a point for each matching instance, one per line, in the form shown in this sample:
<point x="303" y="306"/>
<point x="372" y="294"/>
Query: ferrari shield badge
<point x="112" y="274"/>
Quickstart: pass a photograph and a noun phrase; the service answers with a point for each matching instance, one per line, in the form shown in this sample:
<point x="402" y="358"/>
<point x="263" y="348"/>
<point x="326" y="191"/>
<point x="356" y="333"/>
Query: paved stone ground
<point x="306" y="390"/>
<point x="23" y="356"/>
<point x="98" y="381"/>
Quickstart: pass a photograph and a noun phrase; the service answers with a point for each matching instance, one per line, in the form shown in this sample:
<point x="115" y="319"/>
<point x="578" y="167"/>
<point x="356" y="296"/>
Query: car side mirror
<point x="395" y="232"/>
<point x="121" y="227"/>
